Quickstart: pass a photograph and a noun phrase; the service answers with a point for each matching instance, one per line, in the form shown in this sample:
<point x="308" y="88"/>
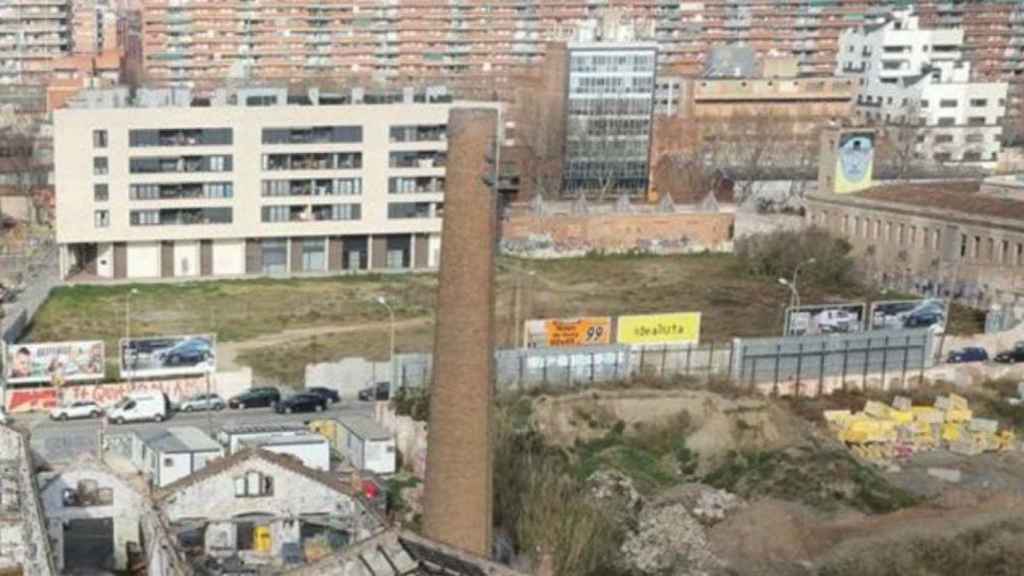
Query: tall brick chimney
<point x="458" y="491"/>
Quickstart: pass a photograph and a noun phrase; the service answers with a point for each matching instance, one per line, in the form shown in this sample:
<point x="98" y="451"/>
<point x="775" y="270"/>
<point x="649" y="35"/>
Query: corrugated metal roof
<point x="178" y="439"/>
<point x="365" y="428"/>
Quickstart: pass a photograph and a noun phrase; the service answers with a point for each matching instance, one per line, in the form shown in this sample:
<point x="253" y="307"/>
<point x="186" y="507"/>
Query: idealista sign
<point x="677" y="328"/>
<point x="555" y="333"/>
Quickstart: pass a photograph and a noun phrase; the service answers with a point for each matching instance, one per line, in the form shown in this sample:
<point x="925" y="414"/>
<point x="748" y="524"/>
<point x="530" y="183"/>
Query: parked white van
<point x="137" y="406"/>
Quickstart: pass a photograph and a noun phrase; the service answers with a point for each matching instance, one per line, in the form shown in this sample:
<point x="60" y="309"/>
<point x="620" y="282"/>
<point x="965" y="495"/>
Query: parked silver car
<point x="201" y="402"/>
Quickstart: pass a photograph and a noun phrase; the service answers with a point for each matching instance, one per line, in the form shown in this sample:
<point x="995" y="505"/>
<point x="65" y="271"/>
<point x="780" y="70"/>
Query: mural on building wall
<point x="855" y="162"/>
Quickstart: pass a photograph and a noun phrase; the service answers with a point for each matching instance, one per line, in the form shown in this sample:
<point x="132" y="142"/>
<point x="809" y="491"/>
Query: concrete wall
<point x="144" y="260"/>
<point x="23" y="534"/>
<point x="126" y="509"/>
<point x="570" y="235"/>
<point x="228" y="257"/>
<point x="347" y="376"/>
<point x="226" y="384"/>
<point x="186" y="258"/>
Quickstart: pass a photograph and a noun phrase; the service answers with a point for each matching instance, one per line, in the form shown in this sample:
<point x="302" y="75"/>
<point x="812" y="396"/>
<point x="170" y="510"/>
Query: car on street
<point x="202" y="402"/>
<point x="76" y="410"/>
<point x="256" y="397"/>
<point x="326" y="393"/>
<point x="1010" y="356"/>
<point x="301" y="403"/>
<point x="380" y="391"/>
<point x="968" y="354"/>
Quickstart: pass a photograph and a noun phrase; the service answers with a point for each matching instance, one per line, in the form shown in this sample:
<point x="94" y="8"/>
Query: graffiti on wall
<point x="178" y="389"/>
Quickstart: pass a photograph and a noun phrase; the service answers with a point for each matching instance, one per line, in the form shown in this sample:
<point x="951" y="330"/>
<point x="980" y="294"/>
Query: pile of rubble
<point x="669" y="541"/>
<point x="883" y="433"/>
<point x="669" y="535"/>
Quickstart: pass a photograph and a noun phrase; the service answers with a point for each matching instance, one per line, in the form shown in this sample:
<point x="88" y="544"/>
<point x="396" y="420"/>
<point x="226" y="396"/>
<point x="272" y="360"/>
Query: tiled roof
<point x="285" y="461"/>
<point x="400" y="553"/>
<point x="956" y="196"/>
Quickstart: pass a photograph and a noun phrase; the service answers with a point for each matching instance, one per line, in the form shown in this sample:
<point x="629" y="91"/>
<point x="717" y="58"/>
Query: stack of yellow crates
<point x="880" y="433"/>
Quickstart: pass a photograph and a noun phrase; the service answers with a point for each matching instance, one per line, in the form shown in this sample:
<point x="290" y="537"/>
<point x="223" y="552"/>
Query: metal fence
<point x="747" y="363"/>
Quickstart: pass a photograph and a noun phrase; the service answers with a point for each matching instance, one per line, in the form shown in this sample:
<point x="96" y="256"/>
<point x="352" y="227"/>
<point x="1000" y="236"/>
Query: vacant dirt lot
<point x="338" y="317"/>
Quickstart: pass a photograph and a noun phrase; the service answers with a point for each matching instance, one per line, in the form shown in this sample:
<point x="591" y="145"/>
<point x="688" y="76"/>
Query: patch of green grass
<point x="823" y="478"/>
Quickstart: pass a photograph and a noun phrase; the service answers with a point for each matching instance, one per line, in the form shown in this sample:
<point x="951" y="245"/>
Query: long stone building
<point x="961" y="239"/>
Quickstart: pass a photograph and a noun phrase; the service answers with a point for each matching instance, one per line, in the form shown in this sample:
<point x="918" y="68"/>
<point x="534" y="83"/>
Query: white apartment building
<point x="252" y="181"/>
<point x="915" y="76"/>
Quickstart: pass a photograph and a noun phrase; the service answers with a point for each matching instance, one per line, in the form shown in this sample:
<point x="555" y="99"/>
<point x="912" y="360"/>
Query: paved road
<point x="56" y="442"/>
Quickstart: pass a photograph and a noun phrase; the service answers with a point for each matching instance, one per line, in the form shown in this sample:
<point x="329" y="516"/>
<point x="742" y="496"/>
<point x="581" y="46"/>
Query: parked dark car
<point x="969" y="354"/>
<point x="924" y="319"/>
<point x="380" y="391"/>
<point x="256" y="397"/>
<point x="1010" y="356"/>
<point x="301" y="403"/>
<point x="325" y="393"/>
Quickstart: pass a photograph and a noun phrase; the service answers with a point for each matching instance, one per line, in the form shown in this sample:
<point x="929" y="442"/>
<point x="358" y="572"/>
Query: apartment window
<point x="101" y="218"/>
<point x="889" y="232"/>
<point x="404" y="210"/>
<point x="976" y="121"/>
<point x="913" y="236"/>
<point x="947" y="121"/>
<point x="902" y="235"/>
<point x="943" y="138"/>
<point x="1004" y="254"/>
<point x="975" y="138"/>
<point x="979" y="102"/>
<point x="991" y="251"/>
<point x="180" y="216"/>
<point x="976" y="254"/>
<point x="274" y="255"/>
<point x="313" y="161"/>
<point x="99" y="138"/>
<point x="947" y="103"/>
<point x="963" y="246"/>
<point x="99" y="166"/>
<point x="313" y="254"/>
<point x="421" y="159"/>
<point x="313" y="135"/>
<point x="942" y="156"/>
<point x="254" y="484"/>
<point x="180" y="137"/>
<point x="275" y="213"/>
<point x="100" y="192"/>
<point x="172" y="164"/>
<point x="936" y="239"/>
<point x="924" y="103"/>
<point x="175" y="191"/>
<point x="418" y="133"/>
<point x="1020" y="254"/>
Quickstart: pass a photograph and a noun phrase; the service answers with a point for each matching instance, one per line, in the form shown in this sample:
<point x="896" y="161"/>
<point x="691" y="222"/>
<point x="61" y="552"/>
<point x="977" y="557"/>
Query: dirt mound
<point x="718" y="425"/>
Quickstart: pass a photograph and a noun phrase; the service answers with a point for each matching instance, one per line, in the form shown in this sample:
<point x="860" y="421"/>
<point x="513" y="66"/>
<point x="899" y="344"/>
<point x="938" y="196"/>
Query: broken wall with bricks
<point x="574" y="235"/>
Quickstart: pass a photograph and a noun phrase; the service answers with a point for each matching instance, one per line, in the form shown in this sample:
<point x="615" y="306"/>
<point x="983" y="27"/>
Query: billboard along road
<point x="54" y="362"/>
<point x="825" y="319"/>
<point x="168" y="356"/>
<point x="909" y="314"/>
<point x="556" y="333"/>
<point x="678" y="328"/>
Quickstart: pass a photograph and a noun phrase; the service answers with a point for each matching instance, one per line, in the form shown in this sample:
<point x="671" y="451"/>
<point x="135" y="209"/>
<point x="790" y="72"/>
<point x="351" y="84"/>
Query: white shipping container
<point x="367" y="445"/>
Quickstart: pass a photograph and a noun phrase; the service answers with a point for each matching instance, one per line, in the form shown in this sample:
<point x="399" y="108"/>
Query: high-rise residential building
<point x="486" y="45"/>
<point x="911" y="76"/>
<point x="250" y="181"/>
<point x="95" y="26"/>
<point x="32" y="33"/>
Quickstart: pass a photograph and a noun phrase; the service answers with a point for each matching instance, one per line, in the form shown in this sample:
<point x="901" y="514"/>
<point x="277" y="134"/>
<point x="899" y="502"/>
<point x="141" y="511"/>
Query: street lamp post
<point x="125" y="351"/>
<point x="796" y="275"/>
<point x="794" y="296"/>
<point x="391" y="316"/>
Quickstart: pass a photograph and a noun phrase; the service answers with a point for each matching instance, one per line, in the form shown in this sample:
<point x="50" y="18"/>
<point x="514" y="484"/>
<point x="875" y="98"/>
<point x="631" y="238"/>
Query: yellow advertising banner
<point x="678" y="328"/>
<point x="553" y="332"/>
